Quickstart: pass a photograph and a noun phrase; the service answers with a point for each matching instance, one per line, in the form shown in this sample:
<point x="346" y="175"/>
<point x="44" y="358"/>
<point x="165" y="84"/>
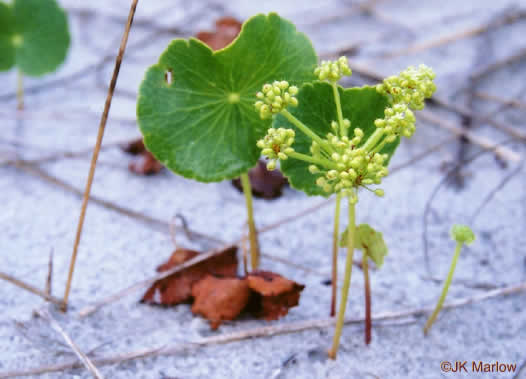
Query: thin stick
<point x="49" y="278"/>
<point x="335" y="248"/>
<point x="501" y="100"/>
<point x="456" y="36"/>
<point x="265" y="331"/>
<point x="252" y="232"/>
<point x="492" y="67"/>
<point x="494" y="191"/>
<point x="19" y="90"/>
<point x="82" y="357"/>
<point x="30" y="288"/>
<point x="100" y="135"/>
<point x="483" y="142"/>
<point x="375" y="76"/>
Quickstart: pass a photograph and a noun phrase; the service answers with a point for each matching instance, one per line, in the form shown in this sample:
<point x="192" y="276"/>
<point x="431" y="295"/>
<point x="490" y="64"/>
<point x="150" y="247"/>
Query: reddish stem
<point x="367" y="287"/>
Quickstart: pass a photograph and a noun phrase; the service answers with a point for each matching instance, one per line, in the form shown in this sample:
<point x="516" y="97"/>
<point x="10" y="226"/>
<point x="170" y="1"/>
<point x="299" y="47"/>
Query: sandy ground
<point x="116" y="251"/>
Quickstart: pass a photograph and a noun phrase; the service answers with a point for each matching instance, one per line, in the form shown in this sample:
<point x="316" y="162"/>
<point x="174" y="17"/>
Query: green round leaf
<point x="7" y="48"/>
<point x="196" y="107"/>
<point x="37" y="38"/>
<point x="370" y="241"/>
<point x="317" y="109"/>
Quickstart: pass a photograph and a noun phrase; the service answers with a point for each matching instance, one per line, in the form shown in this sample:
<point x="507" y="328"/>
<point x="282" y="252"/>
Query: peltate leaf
<point x="195" y="106"/>
<point x="7" y="49"/>
<point x="370" y="241"/>
<point x="317" y="109"/>
<point x="34" y="36"/>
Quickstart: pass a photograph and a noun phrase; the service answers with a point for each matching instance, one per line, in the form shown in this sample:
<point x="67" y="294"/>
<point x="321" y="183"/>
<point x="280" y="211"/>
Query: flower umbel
<point x="276" y="145"/>
<point x="411" y="87"/>
<point x="341" y="162"/>
<point x="333" y="70"/>
<point x="275" y="97"/>
<point x="351" y="166"/>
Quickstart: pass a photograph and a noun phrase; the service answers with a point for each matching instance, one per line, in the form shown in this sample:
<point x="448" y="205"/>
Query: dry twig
<point x="30" y="288"/>
<point x="100" y="135"/>
<point x="265" y="331"/>
<point x="456" y="36"/>
<point x="481" y="141"/>
<point x="82" y="357"/>
<point x="504" y="101"/>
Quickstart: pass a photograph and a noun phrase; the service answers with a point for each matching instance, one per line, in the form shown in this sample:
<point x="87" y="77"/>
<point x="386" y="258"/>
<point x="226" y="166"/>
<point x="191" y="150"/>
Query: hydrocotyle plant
<point x="195" y="106"/>
<point x="374" y="248"/>
<point x="34" y="38"/>
<point x="332" y="140"/>
<point x="462" y="234"/>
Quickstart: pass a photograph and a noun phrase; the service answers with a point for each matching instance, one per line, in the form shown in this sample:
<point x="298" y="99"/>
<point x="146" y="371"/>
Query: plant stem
<point x="445" y="289"/>
<point x="307" y="158"/>
<point x="96" y="151"/>
<point x="380" y="146"/>
<point x="346" y="280"/>
<point x="20" y="90"/>
<point x="367" y="288"/>
<point x="335" y="235"/>
<point x="252" y="233"/>
<point x="305" y="129"/>
<point x="338" y="108"/>
<point x="373" y="139"/>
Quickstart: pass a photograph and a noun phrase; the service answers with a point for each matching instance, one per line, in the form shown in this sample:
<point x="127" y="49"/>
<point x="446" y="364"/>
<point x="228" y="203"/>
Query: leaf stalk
<point x="252" y="232"/>
<point x="347" y="278"/>
<point x="445" y="289"/>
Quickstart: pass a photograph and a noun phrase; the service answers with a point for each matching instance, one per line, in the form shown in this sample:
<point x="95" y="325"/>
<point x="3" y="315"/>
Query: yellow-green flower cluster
<point x="406" y="91"/>
<point x="276" y="145"/>
<point x="412" y="86"/>
<point x="275" y="97"/>
<point x="399" y="121"/>
<point x="333" y="70"/>
<point x="350" y="166"/>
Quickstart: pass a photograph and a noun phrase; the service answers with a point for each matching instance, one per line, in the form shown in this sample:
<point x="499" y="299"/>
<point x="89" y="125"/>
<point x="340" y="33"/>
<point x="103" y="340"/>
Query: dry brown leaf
<point x="220" y="299"/>
<point x="274" y="294"/>
<point x="177" y="288"/>
<point x="227" y="29"/>
<point x="145" y="164"/>
<point x="134" y="147"/>
<point x="265" y="184"/>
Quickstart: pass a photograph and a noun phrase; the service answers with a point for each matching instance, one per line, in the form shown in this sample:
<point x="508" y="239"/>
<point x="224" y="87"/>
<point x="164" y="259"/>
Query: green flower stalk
<point x="462" y="234"/>
<point x="345" y="160"/>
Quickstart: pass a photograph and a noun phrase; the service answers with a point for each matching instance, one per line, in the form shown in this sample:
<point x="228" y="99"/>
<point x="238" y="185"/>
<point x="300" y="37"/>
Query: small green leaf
<point x="317" y="109"/>
<point x="34" y="36"/>
<point x="196" y="107"/>
<point x="7" y="49"/>
<point x="369" y="241"/>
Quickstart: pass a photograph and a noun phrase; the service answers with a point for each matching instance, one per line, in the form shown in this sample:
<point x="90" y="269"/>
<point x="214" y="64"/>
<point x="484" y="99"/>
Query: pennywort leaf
<point x="370" y="241"/>
<point x="195" y="106"/>
<point x="34" y="36"/>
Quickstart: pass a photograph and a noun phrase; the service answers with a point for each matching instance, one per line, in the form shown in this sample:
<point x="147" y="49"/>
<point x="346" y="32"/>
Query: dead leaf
<point x="134" y="147"/>
<point x="265" y="184"/>
<point x="220" y="299"/>
<point x="227" y="29"/>
<point x="146" y="164"/>
<point x="177" y="288"/>
<point x="276" y="294"/>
